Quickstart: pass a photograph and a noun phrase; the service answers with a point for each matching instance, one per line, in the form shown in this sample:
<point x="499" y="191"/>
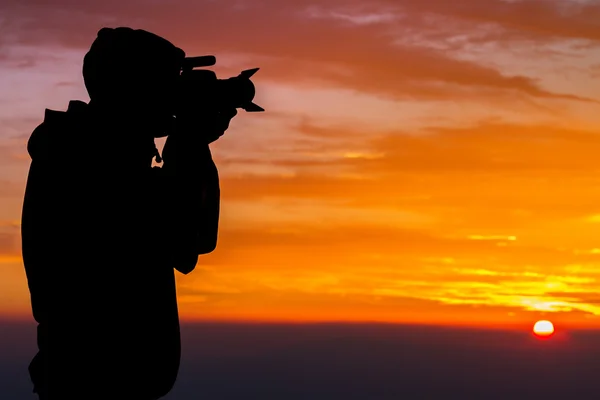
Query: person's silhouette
<point x="103" y="230"/>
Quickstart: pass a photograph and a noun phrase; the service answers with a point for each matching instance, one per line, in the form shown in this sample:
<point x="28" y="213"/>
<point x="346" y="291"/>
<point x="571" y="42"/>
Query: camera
<point x="202" y="87"/>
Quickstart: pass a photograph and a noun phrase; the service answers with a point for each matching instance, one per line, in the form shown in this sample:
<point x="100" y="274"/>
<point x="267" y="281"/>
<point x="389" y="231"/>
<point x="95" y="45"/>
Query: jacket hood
<point x="78" y="135"/>
<point x="57" y="134"/>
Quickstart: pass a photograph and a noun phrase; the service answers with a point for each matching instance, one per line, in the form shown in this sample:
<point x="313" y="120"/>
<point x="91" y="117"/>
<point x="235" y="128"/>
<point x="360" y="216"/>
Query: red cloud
<point x="292" y="45"/>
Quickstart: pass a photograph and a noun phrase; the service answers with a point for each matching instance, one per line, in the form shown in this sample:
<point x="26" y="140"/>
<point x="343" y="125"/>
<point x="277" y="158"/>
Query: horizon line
<point x="500" y="326"/>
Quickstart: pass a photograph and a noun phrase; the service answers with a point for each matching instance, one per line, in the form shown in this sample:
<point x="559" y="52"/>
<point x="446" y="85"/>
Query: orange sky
<point x="419" y="161"/>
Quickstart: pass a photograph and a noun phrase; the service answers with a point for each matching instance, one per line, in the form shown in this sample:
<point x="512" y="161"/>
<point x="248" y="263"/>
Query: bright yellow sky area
<point x="423" y="161"/>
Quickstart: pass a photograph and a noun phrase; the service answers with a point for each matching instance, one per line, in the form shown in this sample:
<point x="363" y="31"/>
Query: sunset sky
<point x="419" y="161"/>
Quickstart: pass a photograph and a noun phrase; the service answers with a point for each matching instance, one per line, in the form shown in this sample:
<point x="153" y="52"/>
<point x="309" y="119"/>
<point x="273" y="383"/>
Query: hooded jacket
<point x="101" y="236"/>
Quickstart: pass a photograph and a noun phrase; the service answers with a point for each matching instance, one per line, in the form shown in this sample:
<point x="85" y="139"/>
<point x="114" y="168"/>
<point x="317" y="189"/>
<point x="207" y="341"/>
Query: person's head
<point x="132" y="73"/>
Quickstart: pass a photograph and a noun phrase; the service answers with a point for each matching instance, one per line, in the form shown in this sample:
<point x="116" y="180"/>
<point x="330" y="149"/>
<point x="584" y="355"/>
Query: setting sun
<point x="543" y="328"/>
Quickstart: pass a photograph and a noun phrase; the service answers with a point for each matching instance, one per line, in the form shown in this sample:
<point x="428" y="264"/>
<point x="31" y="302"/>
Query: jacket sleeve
<point x="37" y="238"/>
<point x="191" y="201"/>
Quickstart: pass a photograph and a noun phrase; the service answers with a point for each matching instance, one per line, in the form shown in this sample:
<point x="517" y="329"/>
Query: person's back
<point x="102" y="231"/>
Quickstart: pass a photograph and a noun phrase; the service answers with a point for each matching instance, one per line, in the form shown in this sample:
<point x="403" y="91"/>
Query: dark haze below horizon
<point x="355" y="361"/>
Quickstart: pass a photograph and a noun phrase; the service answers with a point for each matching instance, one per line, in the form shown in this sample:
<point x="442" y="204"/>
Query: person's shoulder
<point x="39" y="137"/>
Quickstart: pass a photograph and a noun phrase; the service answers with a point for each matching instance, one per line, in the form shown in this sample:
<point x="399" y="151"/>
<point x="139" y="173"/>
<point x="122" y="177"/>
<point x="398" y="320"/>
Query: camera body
<point x="202" y="87"/>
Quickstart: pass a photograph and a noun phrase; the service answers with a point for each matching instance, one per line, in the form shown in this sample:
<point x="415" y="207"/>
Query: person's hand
<point x="220" y="124"/>
<point x="229" y="113"/>
<point x="204" y="126"/>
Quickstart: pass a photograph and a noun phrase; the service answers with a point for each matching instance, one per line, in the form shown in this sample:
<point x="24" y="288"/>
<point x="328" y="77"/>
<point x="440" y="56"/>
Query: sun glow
<point x="543" y="328"/>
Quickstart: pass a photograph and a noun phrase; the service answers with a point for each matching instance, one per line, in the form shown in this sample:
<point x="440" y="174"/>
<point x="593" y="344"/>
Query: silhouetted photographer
<point x="102" y="229"/>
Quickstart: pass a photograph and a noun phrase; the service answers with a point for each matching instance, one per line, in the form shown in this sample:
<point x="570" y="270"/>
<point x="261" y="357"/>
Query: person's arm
<point x="191" y="192"/>
<point x="34" y="241"/>
<point x="40" y="245"/>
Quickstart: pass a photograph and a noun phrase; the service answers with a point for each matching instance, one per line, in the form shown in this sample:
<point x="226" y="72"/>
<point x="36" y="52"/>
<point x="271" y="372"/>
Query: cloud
<point x="582" y="296"/>
<point x="7" y="243"/>
<point x="543" y="20"/>
<point x="379" y="289"/>
<point x="514" y="166"/>
<point x="10" y="189"/>
<point x="10" y="245"/>
<point x="317" y="51"/>
<point x="15" y="130"/>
